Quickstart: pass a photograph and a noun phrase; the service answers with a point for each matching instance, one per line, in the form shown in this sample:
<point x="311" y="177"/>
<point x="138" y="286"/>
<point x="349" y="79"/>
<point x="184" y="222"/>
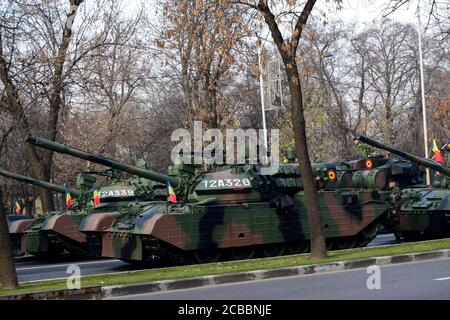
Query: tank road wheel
<point x="242" y="253"/>
<point x="273" y="250"/>
<point x="206" y="255"/>
<point x="297" y="247"/>
<point x="345" y="242"/>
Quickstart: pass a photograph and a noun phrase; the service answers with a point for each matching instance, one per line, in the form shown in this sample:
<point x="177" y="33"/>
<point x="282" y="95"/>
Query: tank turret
<point x="427" y="163"/>
<point x="420" y="212"/>
<point x="225" y="184"/>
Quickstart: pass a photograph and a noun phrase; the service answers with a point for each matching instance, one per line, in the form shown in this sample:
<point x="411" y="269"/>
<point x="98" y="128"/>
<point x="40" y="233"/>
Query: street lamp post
<point x="422" y="89"/>
<point x="261" y="85"/>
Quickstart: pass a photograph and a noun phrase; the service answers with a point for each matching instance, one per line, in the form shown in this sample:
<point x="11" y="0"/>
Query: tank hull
<point x="16" y="228"/>
<point x="424" y="213"/>
<point x="56" y="235"/>
<point x="186" y="230"/>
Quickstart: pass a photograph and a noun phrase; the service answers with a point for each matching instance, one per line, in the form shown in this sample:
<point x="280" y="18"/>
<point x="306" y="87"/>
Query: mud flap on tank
<point x="368" y="234"/>
<point x="37" y="242"/>
<point x="122" y="246"/>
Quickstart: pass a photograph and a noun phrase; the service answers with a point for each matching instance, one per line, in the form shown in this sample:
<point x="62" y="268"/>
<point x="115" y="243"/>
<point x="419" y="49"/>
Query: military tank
<point x="18" y="224"/>
<point x="422" y="212"/>
<point x="234" y="212"/>
<point x="71" y="232"/>
<point x="384" y="174"/>
<point x="122" y="195"/>
<point x="55" y="234"/>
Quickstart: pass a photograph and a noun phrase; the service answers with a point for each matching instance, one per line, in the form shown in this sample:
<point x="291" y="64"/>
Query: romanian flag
<point x="172" y="196"/>
<point x="437" y="153"/>
<point x="69" y="201"/>
<point x="96" y="198"/>
<point x="17" y="206"/>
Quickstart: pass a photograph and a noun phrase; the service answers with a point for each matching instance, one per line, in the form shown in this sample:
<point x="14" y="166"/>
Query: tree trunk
<point x="42" y="166"/>
<point x="288" y="53"/>
<point x="318" y="247"/>
<point x="8" y="276"/>
<point x="40" y="171"/>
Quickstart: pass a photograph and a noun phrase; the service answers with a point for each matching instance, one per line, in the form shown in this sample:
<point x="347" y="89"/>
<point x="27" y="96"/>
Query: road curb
<point x="97" y="293"/>
<point x="89" y="293"/>
<point x="168" y="285"/>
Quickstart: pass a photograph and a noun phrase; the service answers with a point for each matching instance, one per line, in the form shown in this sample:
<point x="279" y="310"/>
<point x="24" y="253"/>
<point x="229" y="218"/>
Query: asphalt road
<point x="383" y="239"/>
<point x="35" y="270"/>
<point x="418" y="280"/>
<point x="30" y="269"/>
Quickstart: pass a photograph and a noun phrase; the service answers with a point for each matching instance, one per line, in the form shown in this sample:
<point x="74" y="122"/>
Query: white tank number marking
<point x="226" y="183"/>
<point x="117" y="193"/>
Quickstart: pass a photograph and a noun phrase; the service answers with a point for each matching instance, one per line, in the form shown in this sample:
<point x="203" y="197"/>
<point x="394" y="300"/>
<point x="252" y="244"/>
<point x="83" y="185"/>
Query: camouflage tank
<point x="381" y="173"/>
<point x="422" y="212"/>
<point x="234" y="212"/>
<point x="71" y="232"/>
<point x="18" y="224"/>
<point x="121" y="196"/>
<point x="55" y="233"/>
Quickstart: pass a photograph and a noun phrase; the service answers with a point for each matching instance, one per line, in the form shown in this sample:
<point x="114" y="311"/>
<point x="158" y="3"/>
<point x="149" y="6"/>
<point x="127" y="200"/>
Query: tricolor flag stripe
<point x="171" y="193"/>
<point x="69" y="201"/>
<point x="437" y="153"/>
<point x="96" y="198"/>
<point x="17" y="207"/>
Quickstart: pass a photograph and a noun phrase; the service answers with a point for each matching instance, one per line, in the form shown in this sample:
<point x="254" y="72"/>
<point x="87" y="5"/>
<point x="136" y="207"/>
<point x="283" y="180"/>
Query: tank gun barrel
<point x="40" y="183"/>
<point x="65" y="149"/>
<point x="427" y="163"/>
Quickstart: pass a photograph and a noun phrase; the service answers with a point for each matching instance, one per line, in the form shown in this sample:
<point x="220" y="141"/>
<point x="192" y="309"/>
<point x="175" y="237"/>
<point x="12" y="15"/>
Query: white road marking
<point x="441" y="279"/>
<point x="65" y="265"/>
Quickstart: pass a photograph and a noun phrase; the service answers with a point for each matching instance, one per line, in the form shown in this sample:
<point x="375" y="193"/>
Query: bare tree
<point x="299" y="15"/>
<point x="41" y="164"/>
<point x="201" y="40"/>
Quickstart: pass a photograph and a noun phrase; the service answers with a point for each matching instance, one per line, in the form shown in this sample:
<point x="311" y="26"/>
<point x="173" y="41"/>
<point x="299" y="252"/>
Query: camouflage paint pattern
<point x="17" y="228"/>
<point x="17" y="224"/>
<point x="236" y="206"/>
<point x="421" y="212"/>
<point x="192" y="227"/>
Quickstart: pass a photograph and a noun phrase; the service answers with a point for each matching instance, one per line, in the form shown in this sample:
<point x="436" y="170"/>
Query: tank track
<point x="61" y="244"/>
<point x="15" y="246"/>
<point x="94" y="244"/>
<point x="162" y="254"/>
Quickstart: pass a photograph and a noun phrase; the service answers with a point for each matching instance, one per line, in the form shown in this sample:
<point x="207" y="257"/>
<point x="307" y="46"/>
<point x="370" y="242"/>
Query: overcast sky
<point x="364" y="11"/>
<point x="353" y="10"/>
<point x="359" y="11"/>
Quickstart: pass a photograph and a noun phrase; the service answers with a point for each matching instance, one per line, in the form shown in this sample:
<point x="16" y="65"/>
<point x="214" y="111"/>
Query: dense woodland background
<point x="119" y="80"/>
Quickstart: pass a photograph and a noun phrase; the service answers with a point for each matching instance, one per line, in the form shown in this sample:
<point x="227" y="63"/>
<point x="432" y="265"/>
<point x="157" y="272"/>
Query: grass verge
<point x="150" y="275"/>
